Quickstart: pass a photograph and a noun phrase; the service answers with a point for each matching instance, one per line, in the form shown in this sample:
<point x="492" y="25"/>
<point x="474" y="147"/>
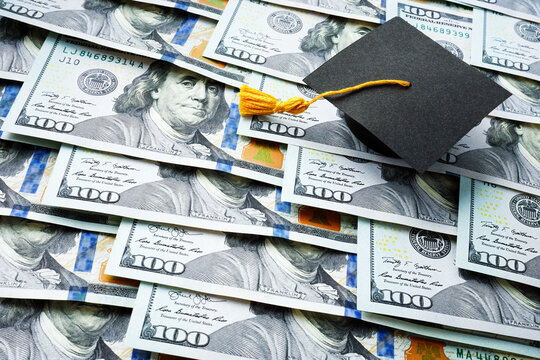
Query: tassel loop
<point x="256" y="102"/>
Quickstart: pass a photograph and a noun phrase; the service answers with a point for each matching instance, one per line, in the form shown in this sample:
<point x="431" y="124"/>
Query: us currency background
<point x="19" y="45"/>
<point x="524" y="9"/>
<point x="413" y="275"/>
<point x="210" y="9"/>
<point x="77" y="87"/>
<point x="269" y="332"/>
<point x="265" y="269"/>
<point x="25" y="172"/>
<point x="371" y="190"/>
<point x="113" y="184"/>
<point x="41" y="327"/>
<point x="173" y="35"/>
<point x="45" y="261"/>
<point x="450" y="27"/>
<point x="267" y="38"/>
<point x="372" y="11"/>
<point x="498" y="232"/>
<point x="506" y="44"/>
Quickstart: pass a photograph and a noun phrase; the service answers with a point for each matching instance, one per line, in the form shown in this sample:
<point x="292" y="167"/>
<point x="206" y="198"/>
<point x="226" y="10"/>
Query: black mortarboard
<point x="446" y="98"/>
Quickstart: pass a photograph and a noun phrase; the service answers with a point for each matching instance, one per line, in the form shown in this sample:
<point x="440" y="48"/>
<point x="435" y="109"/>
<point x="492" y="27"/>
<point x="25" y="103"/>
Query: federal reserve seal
<point x="453" y="48"/>
<point x="285" y="22"/>
<point x="429" y="243"/>
<point x="528" y="31"/>
<point x="526" y="209"/>
<point x="97" y="82"/>
<point x="306" y="91"/>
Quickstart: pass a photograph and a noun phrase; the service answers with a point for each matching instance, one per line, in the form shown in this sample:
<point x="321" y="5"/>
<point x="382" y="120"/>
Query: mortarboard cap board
<point x="420" y="123"/>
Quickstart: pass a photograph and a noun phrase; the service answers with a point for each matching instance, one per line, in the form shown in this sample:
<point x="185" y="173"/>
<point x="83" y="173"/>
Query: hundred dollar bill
<point x="210" y="9"/>
<point x="322" y="126"/>
<point x="45" y="261"/>
<point x="65" y="330"/>
<point x="498" y="232"/>
<point x="366" y="10"/>
<point x="372" y="190"/>
<point x="25" y="172"/>
<point x="524" y="104"/>
<point x="523" y="9"/>
<point x="19" y="45"/>
<point x="156" y="192"/>
<point x="280" y="41"/>
<point x="413" y="275"/>
<point x="506" y="44"/>
<point x="499" y="151"/>
<point x="177" y="321"/>
<point x="450" y="27"/>
<point x="127" y="104"/>
<point x="157" y="32"/>
<point x="265" y="269"/>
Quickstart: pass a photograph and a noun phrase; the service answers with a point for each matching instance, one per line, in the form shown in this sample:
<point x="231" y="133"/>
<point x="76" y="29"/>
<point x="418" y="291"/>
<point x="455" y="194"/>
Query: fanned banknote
<point x="265" y="269"/>
<point x="413" y="275"/>
<point x="498" y="232"/>
<point x="523" y="9"/>
<point x="65" y="330"/>
<point x="450" y="27"/>
<point x="19" y="45"/>
<point x="279" y="41"/>
<point x="506" y="44"/>
<point x="366" y="10"/>
<point x="89" y="95"/>
<point x="372" y="190"/>
<point x="524" y="104"/>
<point x="322" y="126"/>
<point x="25" y="172"/>
<point x="499" y="151"/>
<point x="157" y="32"/>
<point x="210" y="8"/>
<point x="45" y="261"/>
<point x="208" y="199"/>
<point x="172" y="320"/>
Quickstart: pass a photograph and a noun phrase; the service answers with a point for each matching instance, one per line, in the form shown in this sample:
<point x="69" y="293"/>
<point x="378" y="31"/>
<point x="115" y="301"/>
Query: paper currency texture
<point x="88" y="95"/>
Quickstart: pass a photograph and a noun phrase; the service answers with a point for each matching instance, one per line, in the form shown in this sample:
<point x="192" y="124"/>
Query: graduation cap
<point x="418" y="123"/>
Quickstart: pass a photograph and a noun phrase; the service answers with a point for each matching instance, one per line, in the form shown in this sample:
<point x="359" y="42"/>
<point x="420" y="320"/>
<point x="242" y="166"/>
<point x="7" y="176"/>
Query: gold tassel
<point x="256" y="102"/>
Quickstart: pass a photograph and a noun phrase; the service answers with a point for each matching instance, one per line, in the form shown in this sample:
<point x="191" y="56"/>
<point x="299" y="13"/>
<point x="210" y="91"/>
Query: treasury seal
<point x="526" y="209"/>
<point x="306" y="91"/>
<point x="528" y="31"/>
<point x="453" y="48"/>
<point x="284" y="22"/>
<point x="429" y="243"/>
<point x="97" y="82"/>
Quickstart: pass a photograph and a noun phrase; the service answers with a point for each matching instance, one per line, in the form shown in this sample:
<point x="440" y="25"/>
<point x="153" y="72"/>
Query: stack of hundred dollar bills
<point x="141" y="217"/>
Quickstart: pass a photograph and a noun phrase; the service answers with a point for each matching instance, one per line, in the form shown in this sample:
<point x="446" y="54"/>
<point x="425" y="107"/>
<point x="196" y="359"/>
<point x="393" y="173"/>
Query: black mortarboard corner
<point x="419" y="123"/>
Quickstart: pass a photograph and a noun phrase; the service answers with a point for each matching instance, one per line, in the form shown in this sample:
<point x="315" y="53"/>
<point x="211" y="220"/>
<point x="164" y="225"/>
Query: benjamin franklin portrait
<point x="278" y="333"/>
<point x="492" y="299"/>
<point x="275" y="266"/>
<point x="13" y="158"/>
<point x="205" y="194"/>
<point x="19" y="45"/>
<point x="323" y="41"/>
<point x="514" y="153"/>
<point x="59" y="330"/>
<point x="166" y="109"/>
<point x="25" y="255"/>
<point x="128" y="23"/>
<point x="428" y="196"/>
